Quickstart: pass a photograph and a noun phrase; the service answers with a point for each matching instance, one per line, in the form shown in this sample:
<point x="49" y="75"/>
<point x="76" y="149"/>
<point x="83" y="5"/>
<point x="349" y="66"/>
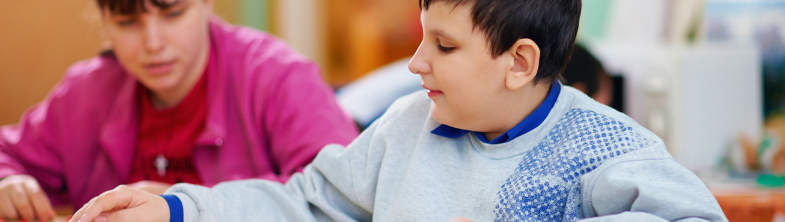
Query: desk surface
<point x="738" y="204"/>
<point x="752" y="204"/>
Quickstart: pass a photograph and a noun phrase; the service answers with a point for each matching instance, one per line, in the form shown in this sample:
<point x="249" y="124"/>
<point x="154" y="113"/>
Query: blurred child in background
<point x="181" y="97"/>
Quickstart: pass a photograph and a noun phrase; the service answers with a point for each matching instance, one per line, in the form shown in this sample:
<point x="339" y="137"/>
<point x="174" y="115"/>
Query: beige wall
<point x="363" y="35"/>
<point x="40" y="39"/>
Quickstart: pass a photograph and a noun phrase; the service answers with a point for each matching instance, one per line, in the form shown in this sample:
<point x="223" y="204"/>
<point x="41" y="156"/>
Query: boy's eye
<point x="445" y="49"/>
<point x="126" y="22"/>
<point x="174" y="14"/>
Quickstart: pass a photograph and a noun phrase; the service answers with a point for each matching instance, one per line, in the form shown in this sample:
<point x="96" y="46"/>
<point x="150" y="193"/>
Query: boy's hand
<point x="21" y="197"/>
<point x="124" y="204"/>
<point x="460" y="219"/>
<point x="153" y="187"/>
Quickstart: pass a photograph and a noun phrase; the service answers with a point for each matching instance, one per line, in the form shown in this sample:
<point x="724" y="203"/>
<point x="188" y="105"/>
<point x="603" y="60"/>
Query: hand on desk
<point x="124" y="204"/>
<point x="460" y="219"/>
<point x="21" y="197"/>
<point x="153" y="187"/>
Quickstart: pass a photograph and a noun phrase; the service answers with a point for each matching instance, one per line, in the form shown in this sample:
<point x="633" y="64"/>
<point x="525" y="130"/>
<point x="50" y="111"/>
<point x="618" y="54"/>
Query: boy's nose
<point x="154" y="39"/>
<point x="418" y="64"/>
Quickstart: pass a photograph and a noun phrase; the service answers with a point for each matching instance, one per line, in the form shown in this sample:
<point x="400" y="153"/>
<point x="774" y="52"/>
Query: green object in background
<point x="771" y="181"/>
<point x="254" y="14"/>
<point x="594" y="18"/>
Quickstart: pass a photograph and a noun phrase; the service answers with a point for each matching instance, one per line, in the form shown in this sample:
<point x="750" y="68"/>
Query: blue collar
<point x="528" y="124"/>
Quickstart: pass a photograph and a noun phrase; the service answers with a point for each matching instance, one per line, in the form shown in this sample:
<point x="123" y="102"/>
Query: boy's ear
<point x="525" y="63"/>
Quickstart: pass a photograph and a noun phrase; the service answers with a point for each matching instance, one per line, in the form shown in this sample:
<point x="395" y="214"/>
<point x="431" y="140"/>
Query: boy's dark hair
<point x="127" y="7"/>
<point x="551" y="24"/>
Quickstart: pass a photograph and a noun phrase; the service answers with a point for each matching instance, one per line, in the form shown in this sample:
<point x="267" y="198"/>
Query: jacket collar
<point x="215" y="127"/>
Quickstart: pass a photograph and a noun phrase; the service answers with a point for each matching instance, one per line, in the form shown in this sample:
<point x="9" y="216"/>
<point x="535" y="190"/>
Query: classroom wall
<point x="363" y="35"/>
<point x="40" y="39"/>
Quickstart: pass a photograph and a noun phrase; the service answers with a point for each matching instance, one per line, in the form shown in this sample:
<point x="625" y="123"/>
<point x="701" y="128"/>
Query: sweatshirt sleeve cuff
<point x="190" y="211"/>
<point x="175" y="208"/>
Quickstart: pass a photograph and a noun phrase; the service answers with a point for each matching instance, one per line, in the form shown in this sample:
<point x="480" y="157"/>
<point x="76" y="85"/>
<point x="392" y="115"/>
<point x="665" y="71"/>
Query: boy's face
<point x="467" y="85"/>
<point x="161" y="47"/>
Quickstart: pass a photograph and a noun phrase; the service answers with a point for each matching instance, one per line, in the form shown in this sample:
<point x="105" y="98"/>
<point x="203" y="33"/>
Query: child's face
<point x="467" y="85"/>
<point x="161" y="47"/>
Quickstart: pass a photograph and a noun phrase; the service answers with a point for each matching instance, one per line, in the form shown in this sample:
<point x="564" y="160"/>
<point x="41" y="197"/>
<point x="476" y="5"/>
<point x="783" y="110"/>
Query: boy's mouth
<point x="432" y="92"/>
<point x="160" y="67"/>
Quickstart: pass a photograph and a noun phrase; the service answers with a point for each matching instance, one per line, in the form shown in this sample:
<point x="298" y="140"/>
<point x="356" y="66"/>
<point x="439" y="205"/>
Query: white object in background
<point x="368" y="97"/>
<point x="697" y="99"/>
<point x="637" y="21"/>
<point x="684" y="14"/>
<point x="300" y="24"/>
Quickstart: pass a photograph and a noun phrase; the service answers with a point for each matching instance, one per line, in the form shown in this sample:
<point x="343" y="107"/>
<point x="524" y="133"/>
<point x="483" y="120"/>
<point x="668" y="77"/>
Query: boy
<point x="498" y="139"/>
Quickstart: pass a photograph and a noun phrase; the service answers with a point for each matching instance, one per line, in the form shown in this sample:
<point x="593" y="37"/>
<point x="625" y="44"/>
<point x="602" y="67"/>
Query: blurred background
<point x="707" y="76"/>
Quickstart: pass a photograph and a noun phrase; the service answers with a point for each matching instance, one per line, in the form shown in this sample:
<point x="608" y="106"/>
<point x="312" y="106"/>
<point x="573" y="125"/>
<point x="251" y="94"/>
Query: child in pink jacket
<point x="267" y="112"/>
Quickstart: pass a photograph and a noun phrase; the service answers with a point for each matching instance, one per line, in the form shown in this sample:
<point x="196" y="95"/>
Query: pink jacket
<point x="269" y="115"/>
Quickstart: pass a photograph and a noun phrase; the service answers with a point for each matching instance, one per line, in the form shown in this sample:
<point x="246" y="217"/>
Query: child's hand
<point x="124" y="204"/>
<point x="153" y="187"/>
<point x="460" y="219"/>
<point x="21" y="197"/>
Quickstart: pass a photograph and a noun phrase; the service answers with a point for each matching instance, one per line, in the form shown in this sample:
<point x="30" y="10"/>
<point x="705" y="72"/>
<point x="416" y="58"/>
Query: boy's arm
<point x="339" y="185"/>
<point x="649" y="190"/>
<point x="335" y="187"/>
<point x="310" y="196"/>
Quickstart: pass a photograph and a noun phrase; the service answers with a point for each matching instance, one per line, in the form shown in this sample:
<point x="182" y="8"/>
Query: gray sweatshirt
<point x="585" y="161"/>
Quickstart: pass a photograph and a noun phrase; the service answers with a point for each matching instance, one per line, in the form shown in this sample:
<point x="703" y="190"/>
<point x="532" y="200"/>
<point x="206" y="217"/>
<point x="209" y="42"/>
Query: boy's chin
<point x="161" y="84"/>
<point x="442" y="117"/>
<point x="438" y="116"/>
